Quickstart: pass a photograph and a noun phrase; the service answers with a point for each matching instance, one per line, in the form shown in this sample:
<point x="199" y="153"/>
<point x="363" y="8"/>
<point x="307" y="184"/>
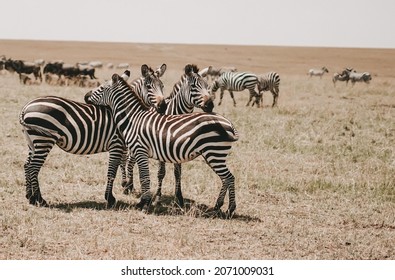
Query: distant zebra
<point x="169" y="138"/>
<point x="360" y="77"/>
<point x="214" y="73"/>
<point x="235" y="81"/>
<point x="344" y="76"/>
<point x="318" y="72"/>
<point x="268" y="82"/>
<point x="76" y="128"/>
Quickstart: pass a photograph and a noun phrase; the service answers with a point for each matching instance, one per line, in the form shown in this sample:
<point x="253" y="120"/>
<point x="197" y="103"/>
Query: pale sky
<point x="330" y="23"/>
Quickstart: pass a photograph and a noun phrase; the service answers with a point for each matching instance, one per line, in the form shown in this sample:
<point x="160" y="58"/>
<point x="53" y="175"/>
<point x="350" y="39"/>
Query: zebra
<point x="214" y="73"/>
<point x="75" y="127"/>
<point x="360" y="77"/>
<point x="344" y="76"/>
<point x="318" y="72"/>
<point x="235" y="81"/>
<point x="268" y="82"/>
<point x="189" y="92"/>
<point x="169" y="138"/>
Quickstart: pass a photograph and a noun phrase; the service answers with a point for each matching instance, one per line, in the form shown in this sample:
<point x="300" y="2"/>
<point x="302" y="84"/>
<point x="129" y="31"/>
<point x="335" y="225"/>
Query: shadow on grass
<point x="166" y="207"/>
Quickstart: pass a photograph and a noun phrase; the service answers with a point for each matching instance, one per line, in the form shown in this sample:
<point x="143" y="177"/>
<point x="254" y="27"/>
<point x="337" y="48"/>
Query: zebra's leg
<point x="122" y="166"/>
<point x="128" y="188"/>
<point x="178" y="192"/>
<point x="38" y="152"/>
<point x="161" y="176"/>
<point x="146" y="196"/>
<point x="228" y="183"/>
<point x="116" y="156"/>
<point x="275" y="94"/>
<point x="128" y="183"/>
<point x="233" y="97"/>
<point x="221" y="95"/>
<point x="257" y="96"/>
<point x="250" y="99"/>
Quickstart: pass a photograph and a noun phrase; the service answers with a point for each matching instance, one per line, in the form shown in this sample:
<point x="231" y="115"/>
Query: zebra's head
<point x="152" y="88"/>
<point x="197" y="90"/>
<point x="101" y="95"/>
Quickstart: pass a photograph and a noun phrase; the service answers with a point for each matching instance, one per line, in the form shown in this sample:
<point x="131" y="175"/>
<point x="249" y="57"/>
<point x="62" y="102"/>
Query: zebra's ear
<point x="162" y="70"/>
<point x="115" y="78"/>
<point x="144" y="70"/>
<point x="188" y="69"/>
<point x="126" y="75"/>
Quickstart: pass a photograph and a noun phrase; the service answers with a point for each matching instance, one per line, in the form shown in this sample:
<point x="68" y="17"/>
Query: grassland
<point x="315" y="177"/>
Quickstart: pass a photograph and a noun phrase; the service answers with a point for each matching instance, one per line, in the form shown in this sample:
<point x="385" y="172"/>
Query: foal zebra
<point x="169" y="138"/>
<point x="268" y="82"/>
<point x="76" y="128"/>
<point x="235" y="81"/>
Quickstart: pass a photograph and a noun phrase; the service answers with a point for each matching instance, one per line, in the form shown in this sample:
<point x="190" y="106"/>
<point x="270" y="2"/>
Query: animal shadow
<point x="69" y="207"/>
<point x="166" y="207"/>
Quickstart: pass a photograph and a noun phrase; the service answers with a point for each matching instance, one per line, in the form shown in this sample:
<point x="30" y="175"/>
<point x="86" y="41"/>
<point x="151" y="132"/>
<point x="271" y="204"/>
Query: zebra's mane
<point x="131" y="91"/>
<point x="176" y="88"/>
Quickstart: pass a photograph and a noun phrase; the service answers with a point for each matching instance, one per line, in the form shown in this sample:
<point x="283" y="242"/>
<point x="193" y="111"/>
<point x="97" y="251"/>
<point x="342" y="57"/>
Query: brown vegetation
<point x="314" y="177"/>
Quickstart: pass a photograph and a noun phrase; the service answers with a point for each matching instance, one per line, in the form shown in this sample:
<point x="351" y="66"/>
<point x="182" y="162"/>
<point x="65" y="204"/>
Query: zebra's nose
<point x="208" y="106"/>
<point x="162" y="106"/>
<point x="87" y="96"/>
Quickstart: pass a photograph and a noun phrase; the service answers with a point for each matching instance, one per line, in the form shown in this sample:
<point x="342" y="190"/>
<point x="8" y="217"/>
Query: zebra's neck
<point x="179" y="104"/>
<point x="125" y="104"/>
<point x="179" y="101"/>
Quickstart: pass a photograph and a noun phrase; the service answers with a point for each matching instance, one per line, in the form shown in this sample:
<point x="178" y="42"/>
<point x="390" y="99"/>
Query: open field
<point x="315" y="177"/>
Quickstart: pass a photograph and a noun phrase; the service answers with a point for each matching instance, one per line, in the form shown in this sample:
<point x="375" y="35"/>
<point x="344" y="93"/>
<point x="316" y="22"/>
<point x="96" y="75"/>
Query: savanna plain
<point x="315" y="176"/>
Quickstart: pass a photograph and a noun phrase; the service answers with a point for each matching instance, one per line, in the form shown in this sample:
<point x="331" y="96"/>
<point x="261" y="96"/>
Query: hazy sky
<point x="339" y="23"/>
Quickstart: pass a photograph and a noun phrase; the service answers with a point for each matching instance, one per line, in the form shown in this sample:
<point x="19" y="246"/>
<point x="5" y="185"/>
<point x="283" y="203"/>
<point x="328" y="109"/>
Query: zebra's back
<point x="78" y="128"/>
<point x="238" y="81"/>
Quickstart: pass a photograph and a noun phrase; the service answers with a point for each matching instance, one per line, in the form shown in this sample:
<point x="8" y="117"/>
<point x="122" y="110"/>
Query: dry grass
<point x="314" y="177"/>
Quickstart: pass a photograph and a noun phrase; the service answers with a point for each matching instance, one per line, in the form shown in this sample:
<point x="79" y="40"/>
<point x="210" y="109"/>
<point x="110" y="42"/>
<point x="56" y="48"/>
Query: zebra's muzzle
<point x="87" y="97"/>
<point x="162" y="106"/>
<point x="208" y="106"/>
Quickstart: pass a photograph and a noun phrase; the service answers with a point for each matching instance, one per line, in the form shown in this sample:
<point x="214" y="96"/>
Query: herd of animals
<point x="346" y="75"/>
<point x="133" y="121"/>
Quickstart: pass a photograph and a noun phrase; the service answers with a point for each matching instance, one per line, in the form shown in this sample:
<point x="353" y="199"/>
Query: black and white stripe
<point x="268" y="82"/>
<point x="235" y="81"/>
<point x="76" y="128"/>
<point x="169" y="138"/>
<point x="189" y="92"/>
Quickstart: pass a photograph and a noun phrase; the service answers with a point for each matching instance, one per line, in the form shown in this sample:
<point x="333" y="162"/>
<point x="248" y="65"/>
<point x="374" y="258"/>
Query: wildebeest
<point x="69" y="71"/>
<point x="22" y="67"/>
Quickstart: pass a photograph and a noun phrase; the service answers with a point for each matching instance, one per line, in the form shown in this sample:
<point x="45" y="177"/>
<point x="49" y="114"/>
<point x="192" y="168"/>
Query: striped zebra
<point x="214" y="73"/>
<point x="169" y="138"/>
<point x="189" y="92"/>
<point x="268" y="82"/>
<point x="235" y="81"/>
<point x="318" y="72"/>
<point x="76" y="128"/>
